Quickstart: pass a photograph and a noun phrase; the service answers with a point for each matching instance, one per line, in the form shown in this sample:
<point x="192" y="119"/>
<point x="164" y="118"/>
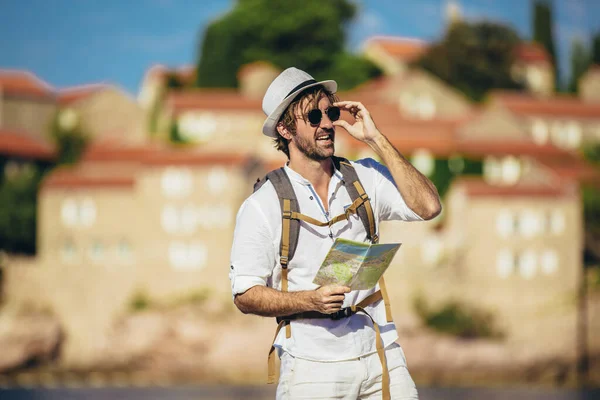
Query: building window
<point x="217" y="180"/>
<point x="556" y="222"/>
<point x="527" y="264"/>
<point x="187" y="256"/>
<point x="539" y="131"/>
<point x="572" y="135"/>
<point x="188" y="218"/>
<point x="511" y="170"/>
<point x="505" y="263"/>
<point x="97" y="252"/>
<point x="75" y="213"/>
<point x="210" y="217"/>
<point x="423" y="161"/>
<point x="505" y="223"/>
<point x="87" y="212"/>
<point x="69" y="212"/>
<point x="177" y="182"/>
<point x="426" y="106"/>
<point x="195" y="127"/>
<point x="420" y="106"/>
<point x="492" y="170"/>
<point x="549" y="262"/>
<point x="69" y="252"/>
<point x="530" y="223"/>
<point x="124" y="252"/>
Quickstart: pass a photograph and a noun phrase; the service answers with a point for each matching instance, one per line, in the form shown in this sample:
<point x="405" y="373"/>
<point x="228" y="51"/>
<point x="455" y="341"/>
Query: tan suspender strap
<point x="385" y="374"/>
<point x="350" y="210"/>
<point x="372" y="298"/>
<point x="272" y="371"/>
<point x="285" y="248"/>
<point x="285" y="232"/>
<point x="386" y="300"/>
<point x="284" y="288"/>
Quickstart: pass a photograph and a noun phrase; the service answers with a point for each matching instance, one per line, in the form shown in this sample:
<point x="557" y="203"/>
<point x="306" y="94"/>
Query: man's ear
<point x="283" y="131"/>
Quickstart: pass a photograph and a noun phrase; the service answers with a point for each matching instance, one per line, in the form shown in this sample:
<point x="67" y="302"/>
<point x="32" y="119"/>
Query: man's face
<point x="316" y="142"/>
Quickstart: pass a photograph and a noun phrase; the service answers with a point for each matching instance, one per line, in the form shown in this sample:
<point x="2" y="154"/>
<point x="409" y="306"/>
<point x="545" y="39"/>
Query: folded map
<point x="355" y="264"/>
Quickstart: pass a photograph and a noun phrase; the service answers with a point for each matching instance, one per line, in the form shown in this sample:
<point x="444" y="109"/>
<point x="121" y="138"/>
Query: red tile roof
<point x="531" y="52"/>
<point x="190" y="157"/>
<point x="71" y="95"/>
<point x="477" y="187"/>
<point x="66" y="180"/>
<point x="406" y="49"/>
<point x="213" y="99"/>
<point x="24" y="83"/>
<point x="559" y="106"/>
<point x="21" y="144"/>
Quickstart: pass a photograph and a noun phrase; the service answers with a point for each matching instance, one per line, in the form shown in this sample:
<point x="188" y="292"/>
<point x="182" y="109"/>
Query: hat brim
<point x="270" y="125"/>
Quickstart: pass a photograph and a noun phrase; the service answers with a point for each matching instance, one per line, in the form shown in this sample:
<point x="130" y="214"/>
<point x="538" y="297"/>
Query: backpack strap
<point x="367" y="216"/>
<point x="290" y="227"/>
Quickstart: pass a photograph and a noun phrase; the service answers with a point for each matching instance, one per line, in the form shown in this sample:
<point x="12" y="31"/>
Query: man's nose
<point x="326" y="123"/>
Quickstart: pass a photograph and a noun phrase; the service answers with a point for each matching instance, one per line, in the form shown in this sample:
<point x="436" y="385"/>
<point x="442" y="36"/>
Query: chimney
<point x="255" y="78"/>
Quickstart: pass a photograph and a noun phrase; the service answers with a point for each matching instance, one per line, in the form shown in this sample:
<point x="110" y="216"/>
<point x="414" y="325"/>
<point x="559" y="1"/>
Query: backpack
<point x="290" y="229"/>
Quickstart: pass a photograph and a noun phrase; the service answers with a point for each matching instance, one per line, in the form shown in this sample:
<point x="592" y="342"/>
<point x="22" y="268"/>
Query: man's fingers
<point x="342" y="123"/>
<point x="336" y="299"/>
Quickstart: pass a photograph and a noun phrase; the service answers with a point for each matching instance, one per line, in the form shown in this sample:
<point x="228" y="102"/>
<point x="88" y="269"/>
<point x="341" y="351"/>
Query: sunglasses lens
<point x="314" y="116"/>
<point x="333" y="113"/>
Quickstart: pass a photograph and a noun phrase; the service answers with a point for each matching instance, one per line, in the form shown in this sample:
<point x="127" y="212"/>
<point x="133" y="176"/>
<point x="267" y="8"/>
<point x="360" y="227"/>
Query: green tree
<point x="580" y="61"/>
<point x="18" y="196"/>
<point x="596" y="49"/>
<point x="474" y="58"/>
<point x="68" y="137"/>
<point x="543" y="32"/>
<point x="308" y="34"/>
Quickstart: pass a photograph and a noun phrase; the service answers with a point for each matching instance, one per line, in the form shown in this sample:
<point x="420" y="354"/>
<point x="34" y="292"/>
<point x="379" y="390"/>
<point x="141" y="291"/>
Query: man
<point x="322" y="357"/>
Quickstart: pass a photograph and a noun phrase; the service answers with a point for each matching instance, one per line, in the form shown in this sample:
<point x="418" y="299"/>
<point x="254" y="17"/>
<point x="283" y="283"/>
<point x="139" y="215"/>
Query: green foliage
<point x="543" y="31"/>
<point x="457" y="319"/>
<point x="580" y="62"/>
<point x="596" y="49"/>
<point x="70" y="142"/>
<point x="173" y="82"/>
<point x="308" y="34"/>
<point x="140" y="301"/>
<point x="18" y="210"/>
<point x="175" y="135"/>
<point x="474" y="58"/>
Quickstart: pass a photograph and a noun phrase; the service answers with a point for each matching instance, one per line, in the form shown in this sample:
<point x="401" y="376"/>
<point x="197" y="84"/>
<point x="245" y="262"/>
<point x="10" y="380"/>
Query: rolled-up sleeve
<point x="252" y="253"/>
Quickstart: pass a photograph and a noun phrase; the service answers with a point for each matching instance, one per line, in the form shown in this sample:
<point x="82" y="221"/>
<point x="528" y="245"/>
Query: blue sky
<point x="73" y="42"/>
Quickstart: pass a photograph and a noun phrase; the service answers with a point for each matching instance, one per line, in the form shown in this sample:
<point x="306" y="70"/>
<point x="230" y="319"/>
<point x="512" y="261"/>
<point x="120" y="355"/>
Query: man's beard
<point x="310" y="149"/>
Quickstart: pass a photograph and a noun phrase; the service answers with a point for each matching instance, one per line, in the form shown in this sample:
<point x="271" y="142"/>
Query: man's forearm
<point x="268" y="302"/>
<point x="419" y="193"/>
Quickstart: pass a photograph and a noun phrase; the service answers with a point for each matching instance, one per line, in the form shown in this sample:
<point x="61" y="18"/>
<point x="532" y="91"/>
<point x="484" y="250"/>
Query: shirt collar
<point x="294" y="176"/>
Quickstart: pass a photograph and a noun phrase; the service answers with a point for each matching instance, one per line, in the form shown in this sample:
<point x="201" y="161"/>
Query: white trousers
<point x="359" y="378"/>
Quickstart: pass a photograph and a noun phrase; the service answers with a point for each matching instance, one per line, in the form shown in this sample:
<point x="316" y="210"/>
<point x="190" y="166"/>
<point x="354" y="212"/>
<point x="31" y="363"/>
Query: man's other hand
<point x="328" y="299"/>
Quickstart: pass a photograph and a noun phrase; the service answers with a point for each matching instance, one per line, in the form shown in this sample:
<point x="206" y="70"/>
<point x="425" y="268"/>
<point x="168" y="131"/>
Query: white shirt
<point x="255" y="258"/>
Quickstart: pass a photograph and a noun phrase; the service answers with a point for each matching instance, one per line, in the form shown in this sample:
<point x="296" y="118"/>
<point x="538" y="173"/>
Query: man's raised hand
<point x="364" y="128"/>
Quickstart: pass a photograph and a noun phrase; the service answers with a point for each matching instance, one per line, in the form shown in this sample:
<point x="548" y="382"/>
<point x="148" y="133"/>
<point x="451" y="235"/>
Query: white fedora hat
<point x="281" y="93"/>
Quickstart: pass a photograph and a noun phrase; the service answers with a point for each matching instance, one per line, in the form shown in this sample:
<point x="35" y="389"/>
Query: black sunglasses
<point x="315" y="116"/>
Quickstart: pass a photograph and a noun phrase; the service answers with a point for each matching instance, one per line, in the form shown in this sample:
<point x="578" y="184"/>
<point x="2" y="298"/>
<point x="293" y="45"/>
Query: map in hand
<point x="355" y="264"/>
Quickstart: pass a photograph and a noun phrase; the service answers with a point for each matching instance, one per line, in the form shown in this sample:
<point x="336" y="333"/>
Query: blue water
<point x="268" y="392"/>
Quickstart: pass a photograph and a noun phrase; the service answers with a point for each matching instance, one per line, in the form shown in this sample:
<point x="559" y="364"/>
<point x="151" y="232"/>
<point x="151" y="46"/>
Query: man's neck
<point x="318" y="173"/>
